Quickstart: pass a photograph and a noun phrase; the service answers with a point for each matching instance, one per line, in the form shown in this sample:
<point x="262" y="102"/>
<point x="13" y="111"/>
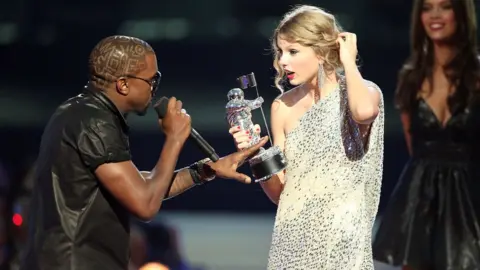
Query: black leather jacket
<point x="74" y="223"/>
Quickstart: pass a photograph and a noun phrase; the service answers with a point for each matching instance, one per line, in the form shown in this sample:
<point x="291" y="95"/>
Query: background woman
<point x="431" y="221"/>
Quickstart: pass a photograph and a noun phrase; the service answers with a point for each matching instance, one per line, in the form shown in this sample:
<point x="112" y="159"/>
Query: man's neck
<point x="115" y="99"/>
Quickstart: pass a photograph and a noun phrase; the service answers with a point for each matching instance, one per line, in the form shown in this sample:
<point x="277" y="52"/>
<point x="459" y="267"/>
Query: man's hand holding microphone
<point x="176" y="124"/>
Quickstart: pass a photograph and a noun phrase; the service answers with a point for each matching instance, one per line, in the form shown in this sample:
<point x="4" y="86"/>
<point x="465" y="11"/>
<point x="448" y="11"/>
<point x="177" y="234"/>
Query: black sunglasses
<point x="153" y="82"/>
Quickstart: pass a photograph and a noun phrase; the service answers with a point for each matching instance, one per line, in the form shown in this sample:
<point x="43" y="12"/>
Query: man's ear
<point x="122" y="86"/>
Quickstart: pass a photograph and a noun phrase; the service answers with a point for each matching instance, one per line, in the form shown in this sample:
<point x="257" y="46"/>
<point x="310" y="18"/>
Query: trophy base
<point x="267" y="163"/>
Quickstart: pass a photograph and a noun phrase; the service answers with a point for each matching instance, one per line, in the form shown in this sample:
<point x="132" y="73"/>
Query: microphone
<point x="161" y="109"/>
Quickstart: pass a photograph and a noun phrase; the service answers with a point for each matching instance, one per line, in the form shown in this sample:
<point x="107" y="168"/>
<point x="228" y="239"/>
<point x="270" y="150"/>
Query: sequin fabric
<point x="332" y="189"/>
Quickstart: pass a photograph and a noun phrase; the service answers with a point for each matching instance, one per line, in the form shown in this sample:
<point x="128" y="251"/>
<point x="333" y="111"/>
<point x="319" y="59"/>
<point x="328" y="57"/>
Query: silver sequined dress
<point x="332" y="189"/>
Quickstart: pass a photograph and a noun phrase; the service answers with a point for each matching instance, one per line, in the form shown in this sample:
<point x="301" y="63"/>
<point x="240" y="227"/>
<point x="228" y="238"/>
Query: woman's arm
<point x="363" y="100"/>
<point x="274" y="186"/>
<point x="405" y="118"/>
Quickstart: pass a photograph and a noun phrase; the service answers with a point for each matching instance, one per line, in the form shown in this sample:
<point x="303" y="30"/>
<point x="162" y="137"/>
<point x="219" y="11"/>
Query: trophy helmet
<point x="235" y="93"/>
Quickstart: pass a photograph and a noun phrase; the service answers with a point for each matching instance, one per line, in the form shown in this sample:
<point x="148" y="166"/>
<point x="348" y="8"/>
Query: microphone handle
<point x="204" y="146"/>
<point x="161" y="109"/>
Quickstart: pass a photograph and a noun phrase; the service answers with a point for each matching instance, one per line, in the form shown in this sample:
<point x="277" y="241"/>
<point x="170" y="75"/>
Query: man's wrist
<point x="173" y="144"/>
<point x="172" y="141"/>
<point x="208" y="172"/>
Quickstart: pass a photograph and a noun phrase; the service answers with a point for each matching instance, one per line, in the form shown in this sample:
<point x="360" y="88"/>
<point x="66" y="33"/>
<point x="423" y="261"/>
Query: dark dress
<point x="432" y="219"/>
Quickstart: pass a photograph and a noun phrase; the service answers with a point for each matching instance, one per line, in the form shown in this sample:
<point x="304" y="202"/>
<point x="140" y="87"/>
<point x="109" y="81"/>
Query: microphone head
<point x="161" y="107"/>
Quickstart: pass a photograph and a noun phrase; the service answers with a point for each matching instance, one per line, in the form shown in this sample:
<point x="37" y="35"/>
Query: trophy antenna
<point x="247" y="81"/>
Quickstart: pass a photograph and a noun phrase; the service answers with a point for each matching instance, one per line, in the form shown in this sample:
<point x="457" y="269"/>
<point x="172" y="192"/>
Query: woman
<point x="331" y="129"/>
<point x="432" y="220"/>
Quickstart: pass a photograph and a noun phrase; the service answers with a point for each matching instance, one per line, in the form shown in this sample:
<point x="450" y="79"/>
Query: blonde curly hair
<point x="309" y="26"/>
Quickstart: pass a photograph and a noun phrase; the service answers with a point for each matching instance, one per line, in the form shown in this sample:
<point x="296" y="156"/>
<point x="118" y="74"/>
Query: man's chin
<point x="142" y="112"/>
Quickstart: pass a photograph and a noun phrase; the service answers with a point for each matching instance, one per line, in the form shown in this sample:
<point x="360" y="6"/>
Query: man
<point x="86" y="184"/>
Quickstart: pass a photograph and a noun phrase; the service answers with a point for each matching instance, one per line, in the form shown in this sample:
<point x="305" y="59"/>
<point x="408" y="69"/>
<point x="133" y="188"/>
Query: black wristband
<point x="197" y="179"/>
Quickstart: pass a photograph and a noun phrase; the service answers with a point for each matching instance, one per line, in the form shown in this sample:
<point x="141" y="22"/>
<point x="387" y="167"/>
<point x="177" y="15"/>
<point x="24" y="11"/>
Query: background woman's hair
<point x="463" y="71"/>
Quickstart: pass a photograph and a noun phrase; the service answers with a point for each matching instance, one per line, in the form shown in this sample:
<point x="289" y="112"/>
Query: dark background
<point x="202" y="47"/>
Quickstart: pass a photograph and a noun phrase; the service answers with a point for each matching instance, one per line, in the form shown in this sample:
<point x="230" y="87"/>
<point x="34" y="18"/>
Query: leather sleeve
<point x="102" y="141"/>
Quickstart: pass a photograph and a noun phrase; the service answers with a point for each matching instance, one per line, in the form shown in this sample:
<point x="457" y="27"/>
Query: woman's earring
<point x="321" y="76"/>
<point x="425" y="46"/>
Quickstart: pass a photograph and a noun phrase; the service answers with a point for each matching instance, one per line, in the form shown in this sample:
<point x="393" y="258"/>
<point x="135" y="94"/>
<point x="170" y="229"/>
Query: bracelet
<point x="205" y="172"/>
<point x="200" y="172"/>
<point x="197" y="179"/>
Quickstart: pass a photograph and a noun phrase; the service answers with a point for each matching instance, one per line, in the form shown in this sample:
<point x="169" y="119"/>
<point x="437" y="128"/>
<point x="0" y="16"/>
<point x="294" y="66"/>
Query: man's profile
<point x="86" y="185"/>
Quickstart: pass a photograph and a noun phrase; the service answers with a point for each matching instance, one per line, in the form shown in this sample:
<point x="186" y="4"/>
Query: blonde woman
<point x="331" y="129"/>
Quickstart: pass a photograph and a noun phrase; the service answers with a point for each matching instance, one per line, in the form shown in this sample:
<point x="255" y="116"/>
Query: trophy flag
<point x="247" y="81"/>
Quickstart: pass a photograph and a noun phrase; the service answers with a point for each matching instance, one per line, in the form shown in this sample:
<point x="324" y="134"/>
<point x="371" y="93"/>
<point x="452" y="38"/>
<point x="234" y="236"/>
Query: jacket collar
<point x="104" y="100"/>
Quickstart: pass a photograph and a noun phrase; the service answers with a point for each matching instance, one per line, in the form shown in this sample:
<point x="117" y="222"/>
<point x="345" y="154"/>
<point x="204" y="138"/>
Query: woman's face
<point x="299" y="62"/>
<point x="438" y="19"/>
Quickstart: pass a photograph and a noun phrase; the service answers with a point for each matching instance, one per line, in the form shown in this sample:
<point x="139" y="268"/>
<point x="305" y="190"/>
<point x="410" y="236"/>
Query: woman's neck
<point x="316" y="91"/>
<point x="442" y="53"/>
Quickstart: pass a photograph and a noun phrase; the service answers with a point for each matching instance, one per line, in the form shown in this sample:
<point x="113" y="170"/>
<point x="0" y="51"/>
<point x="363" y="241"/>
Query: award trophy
<point x="267" y="162"/>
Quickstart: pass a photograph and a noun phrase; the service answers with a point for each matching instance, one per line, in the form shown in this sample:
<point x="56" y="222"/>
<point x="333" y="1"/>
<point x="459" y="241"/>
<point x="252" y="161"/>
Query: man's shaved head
<point x="117" y="56"/>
